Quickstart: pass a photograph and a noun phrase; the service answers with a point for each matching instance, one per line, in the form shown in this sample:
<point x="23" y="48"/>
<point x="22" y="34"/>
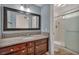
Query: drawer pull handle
<point x="30" y="49"/>
<point x="30" y="44"/>
<point x="11" y="50"/>
<point x="23" y="51"/>
<point x="36" y="46"/>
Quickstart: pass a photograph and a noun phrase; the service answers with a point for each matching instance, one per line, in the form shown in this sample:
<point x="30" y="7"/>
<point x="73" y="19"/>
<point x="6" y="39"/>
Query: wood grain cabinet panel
<point x="40" y="49"/>
<point x="41" y="46"/>
<point x="11" y="49"/>
<point x="30" y="50"/>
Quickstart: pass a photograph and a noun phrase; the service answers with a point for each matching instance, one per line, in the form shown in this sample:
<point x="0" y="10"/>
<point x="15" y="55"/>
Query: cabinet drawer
<point x="40" y="48"/>
<point x="13" y="48"/>
<point x="22" y="52"/>
<point x="38" y="42"/>
<point x="30" y="44"/>
<point x="30" y="50"/>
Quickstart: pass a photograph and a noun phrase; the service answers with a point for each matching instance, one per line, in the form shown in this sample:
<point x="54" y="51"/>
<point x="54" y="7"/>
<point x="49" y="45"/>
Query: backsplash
<point x="19" y="34"/>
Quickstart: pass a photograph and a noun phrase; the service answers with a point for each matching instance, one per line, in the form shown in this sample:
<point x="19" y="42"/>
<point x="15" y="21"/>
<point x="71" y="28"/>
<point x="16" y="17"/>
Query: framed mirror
<point x="20" y="20"/>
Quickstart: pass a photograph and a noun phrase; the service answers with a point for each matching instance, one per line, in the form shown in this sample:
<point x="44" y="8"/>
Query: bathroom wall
<point x="45" y="18"/>
<point x="0" y="21"/>
<point x="69" y="8"/>
<point x="47" y="24"/>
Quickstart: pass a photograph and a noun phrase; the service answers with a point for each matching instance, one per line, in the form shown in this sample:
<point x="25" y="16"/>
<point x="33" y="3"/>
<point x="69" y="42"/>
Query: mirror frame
<point x="19" y="11"/>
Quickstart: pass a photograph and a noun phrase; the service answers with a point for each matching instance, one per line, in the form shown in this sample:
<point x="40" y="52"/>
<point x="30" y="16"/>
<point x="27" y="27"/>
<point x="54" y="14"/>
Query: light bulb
<point x="28" y="9"/>
<point x="59" y="5"/>
<point x="22" y="8"/>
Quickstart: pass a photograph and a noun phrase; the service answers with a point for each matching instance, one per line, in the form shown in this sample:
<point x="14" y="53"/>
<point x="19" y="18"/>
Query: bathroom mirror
<point x="20" y="20"/>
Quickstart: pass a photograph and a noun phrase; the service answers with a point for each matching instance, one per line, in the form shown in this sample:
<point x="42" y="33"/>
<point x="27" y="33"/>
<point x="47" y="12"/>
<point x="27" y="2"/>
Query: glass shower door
<point x="71" y="28"/>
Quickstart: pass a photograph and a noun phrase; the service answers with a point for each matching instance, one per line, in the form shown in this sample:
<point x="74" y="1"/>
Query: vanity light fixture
<point x="25" y="7"/>
<point x="28" y="8"/>
<point x="22" y="7"/>
<point x="60" y="5"/>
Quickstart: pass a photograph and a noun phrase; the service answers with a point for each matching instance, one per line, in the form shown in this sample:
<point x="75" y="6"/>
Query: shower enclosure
<point x="71" y="31"/>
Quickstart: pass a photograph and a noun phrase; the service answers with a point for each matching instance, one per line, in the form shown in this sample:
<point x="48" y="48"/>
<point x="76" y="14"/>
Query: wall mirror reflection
<point x="20" y="20"/>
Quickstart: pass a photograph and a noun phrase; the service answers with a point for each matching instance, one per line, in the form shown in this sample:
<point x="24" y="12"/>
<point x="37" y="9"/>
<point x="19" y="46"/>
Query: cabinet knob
<point x="36" y="46"/>
<point x="30" y="43"/>
<point x="30" y="49"/>
<point x="11" y="50"/>
<point x="23" y="51"/>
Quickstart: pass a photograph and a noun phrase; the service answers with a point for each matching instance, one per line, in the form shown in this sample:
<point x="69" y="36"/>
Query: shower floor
<point x="62" y="52"/>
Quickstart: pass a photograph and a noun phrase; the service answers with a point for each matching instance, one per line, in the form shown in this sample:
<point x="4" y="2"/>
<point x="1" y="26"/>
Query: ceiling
<point x="39" y="5"/>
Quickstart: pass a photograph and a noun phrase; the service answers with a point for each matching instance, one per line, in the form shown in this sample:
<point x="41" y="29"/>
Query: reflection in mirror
<point x="11" y="16"/>
<point x="35" y="22"/>
<point x="18" y="20"/>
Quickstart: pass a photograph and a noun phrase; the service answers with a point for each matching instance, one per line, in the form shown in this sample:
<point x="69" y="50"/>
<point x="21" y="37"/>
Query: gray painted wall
<point x="33" y="8"/>
<point x="45" y="18"/>
<point x="0" y="19"/>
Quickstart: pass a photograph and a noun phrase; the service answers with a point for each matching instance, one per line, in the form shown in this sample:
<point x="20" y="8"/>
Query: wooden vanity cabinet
<point x="36" y="47"/>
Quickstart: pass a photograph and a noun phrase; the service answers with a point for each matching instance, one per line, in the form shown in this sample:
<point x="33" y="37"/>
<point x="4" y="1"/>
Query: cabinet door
<point x="40" y="49"/>
<point x="11" y="49"/>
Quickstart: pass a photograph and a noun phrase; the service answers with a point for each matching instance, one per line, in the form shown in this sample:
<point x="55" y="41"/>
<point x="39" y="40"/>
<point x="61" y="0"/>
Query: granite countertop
<point x="16" y="40"/>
